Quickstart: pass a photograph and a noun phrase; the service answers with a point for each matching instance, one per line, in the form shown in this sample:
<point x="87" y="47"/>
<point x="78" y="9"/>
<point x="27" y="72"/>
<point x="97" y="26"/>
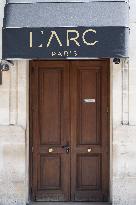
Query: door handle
<point x="66" y="147"/>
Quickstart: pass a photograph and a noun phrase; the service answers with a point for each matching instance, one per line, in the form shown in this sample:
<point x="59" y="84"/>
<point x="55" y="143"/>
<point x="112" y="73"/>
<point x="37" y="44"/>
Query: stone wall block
<point x="12" y="165"/>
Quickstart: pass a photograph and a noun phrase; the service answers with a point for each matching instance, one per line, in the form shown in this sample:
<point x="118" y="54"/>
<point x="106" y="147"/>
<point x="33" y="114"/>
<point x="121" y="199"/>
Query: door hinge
<point x="32" y="149"/>
<point x="107" y="109"/>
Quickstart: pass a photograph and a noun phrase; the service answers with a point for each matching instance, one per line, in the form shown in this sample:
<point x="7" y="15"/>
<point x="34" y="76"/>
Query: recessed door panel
<point x="88" y="105"/>
<point x="88" y="172"/>
<point x="50" y="172"/>
<point x="50" y="99"/>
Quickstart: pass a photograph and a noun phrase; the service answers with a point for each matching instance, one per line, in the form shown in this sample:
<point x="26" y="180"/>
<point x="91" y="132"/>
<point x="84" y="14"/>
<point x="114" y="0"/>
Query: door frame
<point x="31" y="195"/>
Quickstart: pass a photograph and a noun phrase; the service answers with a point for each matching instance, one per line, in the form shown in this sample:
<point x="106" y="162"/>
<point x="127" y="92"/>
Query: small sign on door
<point x="89" y="100"/>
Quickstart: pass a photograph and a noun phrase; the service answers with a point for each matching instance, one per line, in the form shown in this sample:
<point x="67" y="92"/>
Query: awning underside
<point x="66" y="14"/>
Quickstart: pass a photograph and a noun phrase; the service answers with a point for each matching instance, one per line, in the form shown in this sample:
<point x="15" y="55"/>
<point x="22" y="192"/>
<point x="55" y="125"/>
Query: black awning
<point x="60" y="30"/>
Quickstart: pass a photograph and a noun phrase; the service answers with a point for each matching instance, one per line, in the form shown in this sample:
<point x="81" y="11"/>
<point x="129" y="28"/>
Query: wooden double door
<point x="69" y="136"/>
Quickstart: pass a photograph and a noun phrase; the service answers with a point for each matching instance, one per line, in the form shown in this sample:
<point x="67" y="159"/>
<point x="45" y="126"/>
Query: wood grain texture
<point x="59" y="115"/>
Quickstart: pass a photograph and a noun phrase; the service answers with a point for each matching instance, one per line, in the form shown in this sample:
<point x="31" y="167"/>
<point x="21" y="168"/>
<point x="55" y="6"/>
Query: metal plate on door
<point x="89" y="100"/>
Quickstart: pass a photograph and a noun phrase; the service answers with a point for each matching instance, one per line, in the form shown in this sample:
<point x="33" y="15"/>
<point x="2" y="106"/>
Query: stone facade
<point x="124" y="140"/>
<point x="13" y="135"/>
<point x="14" y="128"/>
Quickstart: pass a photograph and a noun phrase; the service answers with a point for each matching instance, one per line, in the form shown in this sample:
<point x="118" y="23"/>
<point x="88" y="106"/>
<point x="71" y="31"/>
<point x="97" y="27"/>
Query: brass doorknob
<point x="89" y="149"/>
<point x="51" y="150"/>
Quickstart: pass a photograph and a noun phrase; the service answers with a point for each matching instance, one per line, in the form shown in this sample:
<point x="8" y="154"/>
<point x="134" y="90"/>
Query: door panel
<point x="88" y="172"/>
<point x="51" y="121"/>
<point x="69" y="129"/>
<point x="50" y="179"/>
<point x="50" y="98"/>
<point x="88" y="88"/>
<point x="89" y="139"/>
